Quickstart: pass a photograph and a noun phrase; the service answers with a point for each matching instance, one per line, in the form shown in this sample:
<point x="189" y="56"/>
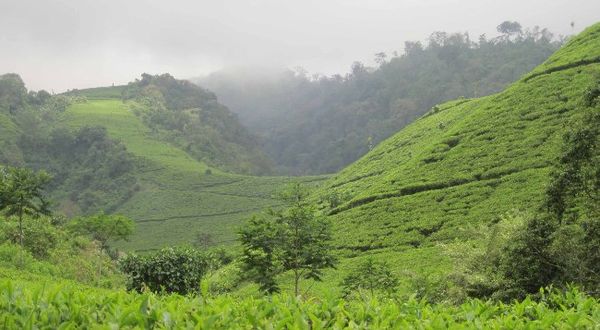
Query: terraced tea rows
<point x="178" y="198"/>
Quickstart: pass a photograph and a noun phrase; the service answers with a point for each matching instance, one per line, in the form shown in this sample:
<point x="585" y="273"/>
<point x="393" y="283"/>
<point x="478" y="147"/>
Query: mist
<point x="60" y="45"/>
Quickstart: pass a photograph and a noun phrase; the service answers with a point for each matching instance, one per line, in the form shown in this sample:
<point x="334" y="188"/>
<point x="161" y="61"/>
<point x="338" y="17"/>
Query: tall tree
<point x="103" y="228"/>
<point x="21" y="194"/>
<point x="295" y="239"/>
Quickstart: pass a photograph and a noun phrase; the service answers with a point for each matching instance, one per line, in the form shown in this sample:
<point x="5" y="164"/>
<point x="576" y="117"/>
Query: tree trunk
<point x="296" y="282"/>
<point x="21" y="238"/>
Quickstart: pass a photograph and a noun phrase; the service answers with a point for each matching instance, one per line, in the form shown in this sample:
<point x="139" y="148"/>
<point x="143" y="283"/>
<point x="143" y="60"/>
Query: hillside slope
<point x="463" y="165"/>
<point x="177" y="198"/>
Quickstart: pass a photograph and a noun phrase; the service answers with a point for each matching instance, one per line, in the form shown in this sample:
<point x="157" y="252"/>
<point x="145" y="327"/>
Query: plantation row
<point x="25" y="305"/>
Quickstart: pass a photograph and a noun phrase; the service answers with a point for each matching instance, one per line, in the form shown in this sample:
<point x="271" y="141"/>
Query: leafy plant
<point x="21" y="194"/>
<point x="372" y="276"/>
<point x="295" y="240"/>
<point x="169" y="270"/>
<point x="103" y="228"/>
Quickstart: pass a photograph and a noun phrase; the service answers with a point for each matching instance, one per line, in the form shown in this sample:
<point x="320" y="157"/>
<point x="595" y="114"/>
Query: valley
<point x="456" y="185"/>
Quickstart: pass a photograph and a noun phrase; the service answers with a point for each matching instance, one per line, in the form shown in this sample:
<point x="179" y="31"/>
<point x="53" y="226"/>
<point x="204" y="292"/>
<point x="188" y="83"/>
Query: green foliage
<point x="559" y="246"/>
<point x="21" y="194"/>
<point x="294" y="239"/>
<point x="50" y="250"/>
<point x="372" y="276"/>
<point x="103" y="228"/>
<point x="192" y="119"/>
<point x="70" y="305"/>
<point x="261" y="262"/>
<point x="13" y="94"/>
<point x="169" y="270"/>
<point x="91" y="171"/>
<point x="40" y="237"/>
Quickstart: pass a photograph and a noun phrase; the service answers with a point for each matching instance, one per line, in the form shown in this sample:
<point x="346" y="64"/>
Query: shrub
<point x="169" y="270"/>
<point x="39" y="236"/>
<point x="372" y="276"/>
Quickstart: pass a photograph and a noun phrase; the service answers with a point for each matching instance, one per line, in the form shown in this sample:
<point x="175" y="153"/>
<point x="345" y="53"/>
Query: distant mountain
<point x="315" y="124"/>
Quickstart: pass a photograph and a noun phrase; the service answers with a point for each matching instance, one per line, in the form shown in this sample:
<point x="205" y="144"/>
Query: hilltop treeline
<point x="191" y="118"/>
<point x="318" y="124"/>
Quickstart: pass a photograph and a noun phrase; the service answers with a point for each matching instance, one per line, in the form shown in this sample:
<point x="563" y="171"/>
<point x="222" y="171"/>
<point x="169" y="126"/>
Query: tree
<point x="13" y="94"/>
<point x="260" y="260"/>
<point x="204" y="240"/>
<point x="295" y="240"/>
<point x="373" y="276"/>
<point x="380" y="58"/>
<point x="103" y="228"/>
<point x="21" y="193"/>
<point x="509" y="28"/>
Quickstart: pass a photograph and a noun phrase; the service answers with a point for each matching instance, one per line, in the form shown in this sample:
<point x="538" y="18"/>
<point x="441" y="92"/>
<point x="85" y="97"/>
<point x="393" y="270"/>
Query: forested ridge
<point x="311" y="124"/>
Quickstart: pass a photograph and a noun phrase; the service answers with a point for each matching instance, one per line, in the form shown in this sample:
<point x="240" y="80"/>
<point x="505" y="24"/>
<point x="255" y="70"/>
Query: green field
<point x="177" y="199"/>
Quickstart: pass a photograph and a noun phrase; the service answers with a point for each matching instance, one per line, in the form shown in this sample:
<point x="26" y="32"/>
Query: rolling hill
<point x="463" y="165"/>
<point x="177" y="197"/>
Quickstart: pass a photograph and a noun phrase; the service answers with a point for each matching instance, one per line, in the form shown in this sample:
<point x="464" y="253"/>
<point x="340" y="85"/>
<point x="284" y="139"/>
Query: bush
<point x="170" y="270"/>
<point x="372" y="276"/>
<point x="39" y="235"/>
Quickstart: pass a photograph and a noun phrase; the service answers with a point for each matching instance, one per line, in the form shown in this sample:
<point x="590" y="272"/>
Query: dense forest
<point x="312" y="124"/>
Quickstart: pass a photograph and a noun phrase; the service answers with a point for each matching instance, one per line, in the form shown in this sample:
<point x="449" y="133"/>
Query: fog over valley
<point x="59" y="45"/>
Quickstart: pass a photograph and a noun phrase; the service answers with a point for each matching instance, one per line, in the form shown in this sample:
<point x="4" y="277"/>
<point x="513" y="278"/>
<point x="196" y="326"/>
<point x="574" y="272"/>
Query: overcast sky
<point x="59" y="45"/>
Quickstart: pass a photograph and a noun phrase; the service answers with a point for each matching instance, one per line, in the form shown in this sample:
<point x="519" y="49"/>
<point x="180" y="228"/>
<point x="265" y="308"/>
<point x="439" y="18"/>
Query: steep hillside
<point x="464" y="164"/>
<point x="178" y="197"/>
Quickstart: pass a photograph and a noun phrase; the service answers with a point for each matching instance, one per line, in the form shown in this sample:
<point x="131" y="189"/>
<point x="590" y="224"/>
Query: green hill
<point x="463" y="165"/>
<point x="178" y="196"/>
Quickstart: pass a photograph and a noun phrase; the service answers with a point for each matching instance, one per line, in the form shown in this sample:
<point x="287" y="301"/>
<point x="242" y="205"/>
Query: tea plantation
<point x="178" y="196"/>
<point x="461" y="167"/>
<point x="27" y="305"/>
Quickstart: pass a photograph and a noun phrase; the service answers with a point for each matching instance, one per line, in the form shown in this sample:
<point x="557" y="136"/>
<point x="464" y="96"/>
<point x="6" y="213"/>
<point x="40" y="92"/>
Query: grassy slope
<point x="461" y="167"/>
<point x="177" y="199"/>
